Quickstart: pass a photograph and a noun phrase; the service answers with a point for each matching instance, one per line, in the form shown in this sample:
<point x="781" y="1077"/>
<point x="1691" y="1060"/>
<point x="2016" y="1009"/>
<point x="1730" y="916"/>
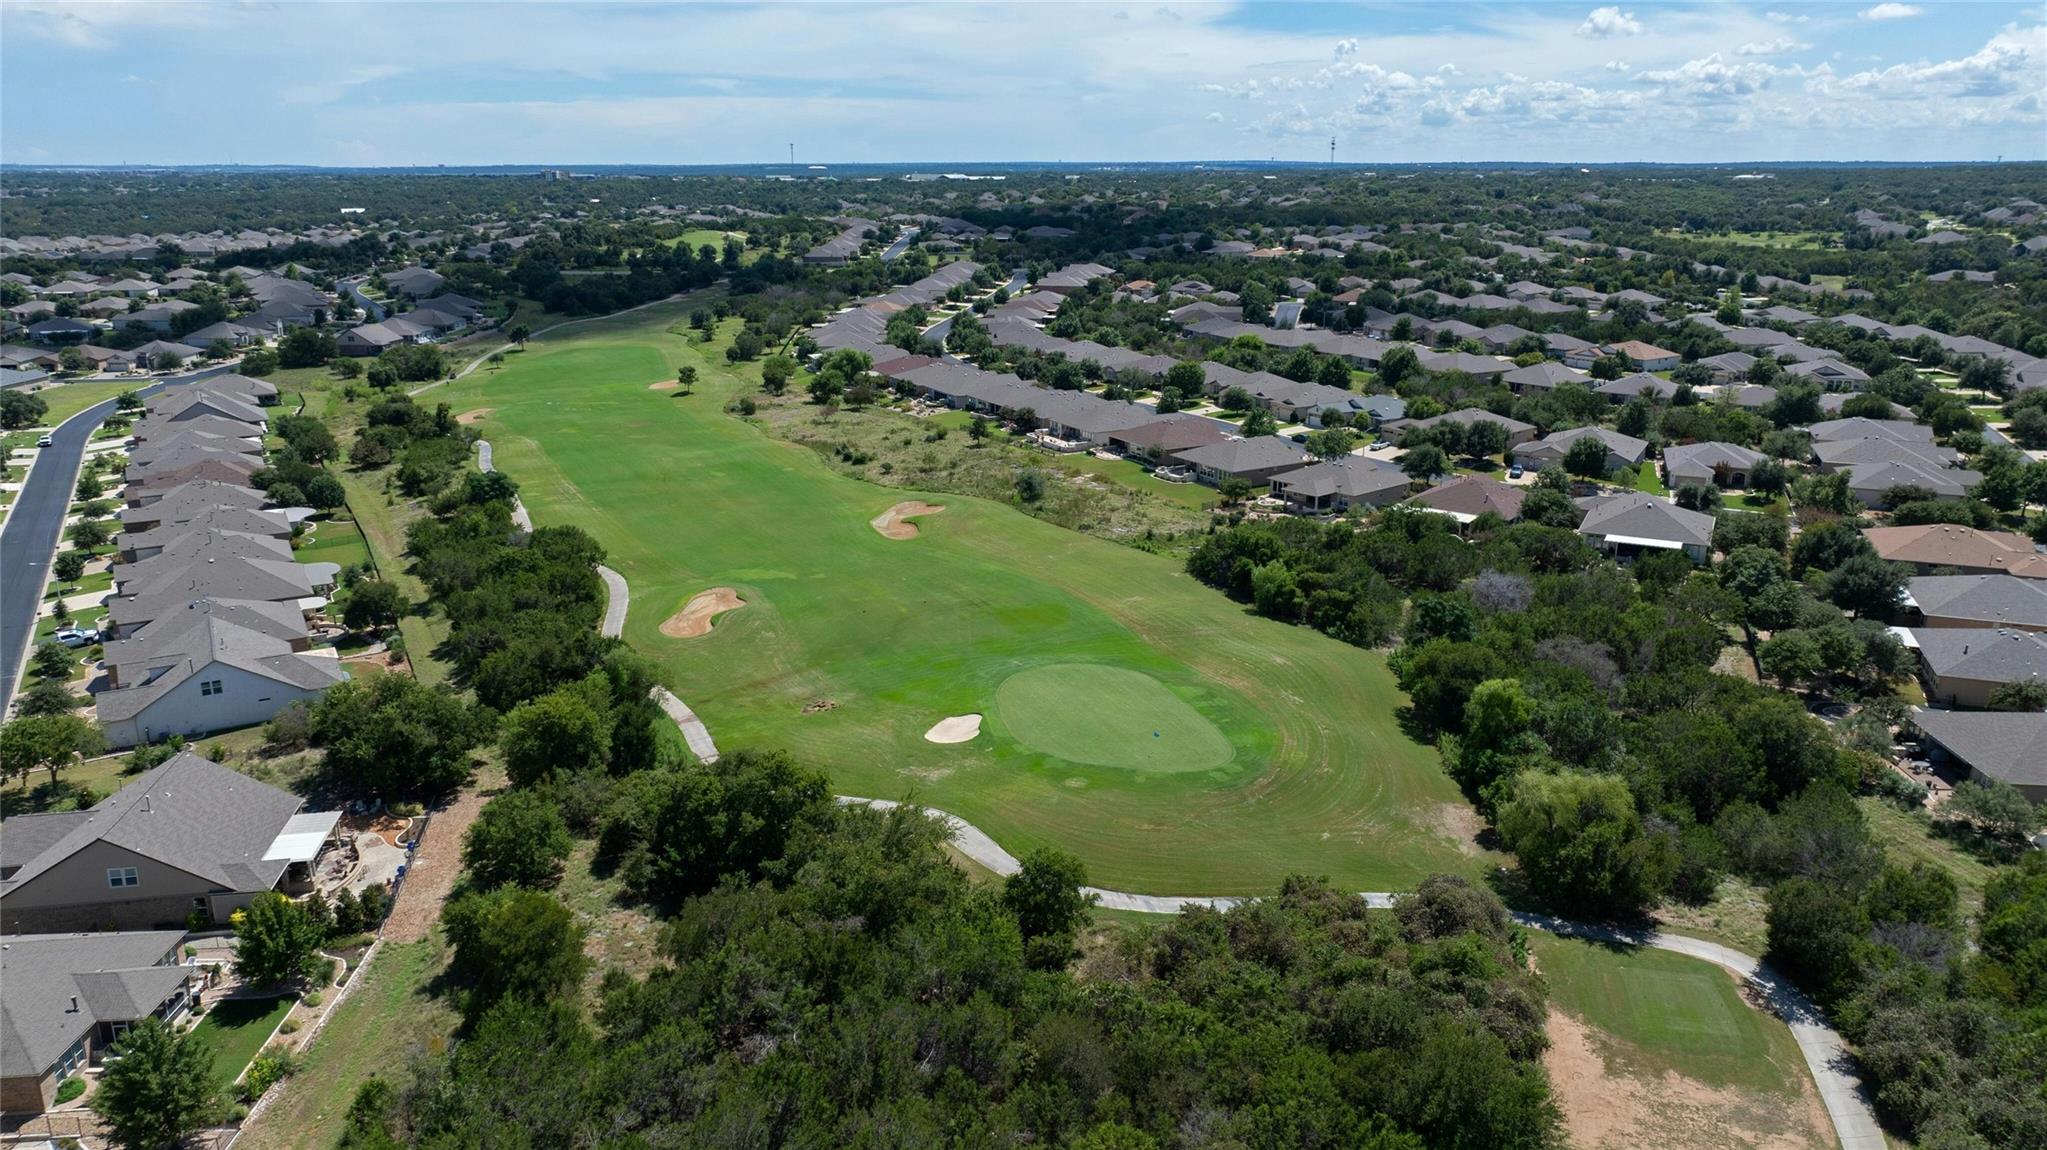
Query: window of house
<point x="211" y="687"/>
<point x="120" y="876"/>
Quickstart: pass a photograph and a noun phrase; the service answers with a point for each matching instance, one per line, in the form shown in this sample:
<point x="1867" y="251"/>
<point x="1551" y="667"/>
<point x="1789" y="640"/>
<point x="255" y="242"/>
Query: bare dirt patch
<point x="663" y="385"/>
<point x="696" y="615"/>
<point x="1607" y="1108"/>
<point x="1463" y="826"/>
<point x="819" y="706"/>
<point x="954" y="729"/>
<point x="895" y="522"/>
<point x="477" y="416"/>
<point x="433" y="870"/>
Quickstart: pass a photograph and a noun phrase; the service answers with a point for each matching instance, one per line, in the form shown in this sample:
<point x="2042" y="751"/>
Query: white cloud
<point x="1890" y="12"/>
<point x="1346" y="47"/>
<point x="1617" y="66"/>
<point x="2008" y="65"/>
<point x="1605" y="22"/>
<point x="1776" y="47"/>
<point x="1785" y="18"/>
<point x="1714" y="78"/>
<point x="1215" y="117"/>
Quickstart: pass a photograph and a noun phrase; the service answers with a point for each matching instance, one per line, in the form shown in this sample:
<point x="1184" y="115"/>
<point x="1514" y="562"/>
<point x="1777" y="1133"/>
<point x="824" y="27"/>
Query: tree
<point x="1702" y="497"/>
<point x="1331" y="443"/>
<point x="1815" y="935"/>
<point x="1484" y="438"/>
<point x="373" y="604"/>
<point x="19" y="409"/>
<point x="519" y="333"/>
<point x="1234" y="489"/>
<point x="977" y="428"/>
<point x="560" y="733"/>
<point x="514" y="943"/>
<point x="1044" y="896"/>
<point x="1866" y="584"/>
<point x="2022" y="695"/>
<point x="90" y="487"/>
<point x="1586" y="457"/>
<point x="1424" y="463"/>
<point x="90" y="534"/>
<point x="394" y="737"/>
<point x="1259" y="422"/>
<point x="160" y="1088"/>
<point x="1398" y="364"/>
<point x="276" y="941"/>
<point x="519" y="839"/>
<point x="52" y="660"/>
<point x="49" y="742"/>
<point x="69" y="567"/>
<point x="1582" y="844"/>
<point x="46" y="697"/>
<point x="261" y="361"/>
<point x="308" y="436"/>
<point x="1996" y="806"/>
<point x="306" y="347"/>
<point x="776" y="372"/>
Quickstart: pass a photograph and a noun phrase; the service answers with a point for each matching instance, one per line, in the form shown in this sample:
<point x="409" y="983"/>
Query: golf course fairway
<point x="1277" y="749"/>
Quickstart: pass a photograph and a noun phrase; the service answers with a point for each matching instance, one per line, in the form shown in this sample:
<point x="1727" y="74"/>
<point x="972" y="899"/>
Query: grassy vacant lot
<point x="384" y="1022"/>
<point x="1811" y="241"/>
<point x="1652" y="1048"/>
<point x="236" y="1029"/>
<point x="901" y="633"/>
<point x="67" y="400"/>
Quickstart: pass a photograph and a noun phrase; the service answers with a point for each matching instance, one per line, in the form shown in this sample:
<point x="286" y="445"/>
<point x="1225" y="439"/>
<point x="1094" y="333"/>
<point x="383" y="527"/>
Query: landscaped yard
<point x="67" y="400"/>
<point x="376" y="1031"/>
<point x="899" y="633"/>
<point x="235" y="1029"/>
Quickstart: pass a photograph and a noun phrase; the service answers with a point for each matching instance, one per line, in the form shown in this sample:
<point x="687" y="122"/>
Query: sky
<point x="450" y="82"/>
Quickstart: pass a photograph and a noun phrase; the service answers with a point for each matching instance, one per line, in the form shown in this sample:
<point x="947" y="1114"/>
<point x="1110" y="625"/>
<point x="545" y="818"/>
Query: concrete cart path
<point x="694" y="732"/>
<point x="617" y="598"/>
<point x="1826" y="1055"/>
<point x="520" y="518"/>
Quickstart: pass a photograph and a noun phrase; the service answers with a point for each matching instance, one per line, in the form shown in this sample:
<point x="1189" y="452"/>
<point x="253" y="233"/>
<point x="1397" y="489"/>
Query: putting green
<point x="1108" y="717"/>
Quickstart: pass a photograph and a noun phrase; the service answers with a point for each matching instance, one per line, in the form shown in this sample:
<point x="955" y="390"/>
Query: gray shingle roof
<point x="2007" y="745"/>
<point x="1986" y="654"/>
<point x="1995" y="600"/>
<point x="115" y="978"/>
<point x="1641" y="516"/>
<point x="1351" y="477"/>
<point x="188" y="813"/>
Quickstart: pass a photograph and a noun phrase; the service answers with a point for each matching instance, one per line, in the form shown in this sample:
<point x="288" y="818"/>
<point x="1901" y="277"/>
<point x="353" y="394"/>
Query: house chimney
<point x="145" y="804"/>
<point x="74" y="1005"/>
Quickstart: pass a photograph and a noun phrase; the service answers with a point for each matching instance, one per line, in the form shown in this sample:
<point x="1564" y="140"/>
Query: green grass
<point x="1668" y="1012"/>
<point x="1109" y="717"/>
<point x="1648" y="478"/>
<point x="1811" y="241"/>
<point x="1125" y="473"/>
<point x="335" y="541"/>
<point x="235" y="1031"/>
<point x="67" y="400"/>
<point x="383" y="1023"/>
<point x="901" y="633"/>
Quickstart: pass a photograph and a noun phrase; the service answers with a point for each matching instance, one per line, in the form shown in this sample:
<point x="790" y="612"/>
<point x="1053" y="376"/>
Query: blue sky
<point x="479" y="83"/>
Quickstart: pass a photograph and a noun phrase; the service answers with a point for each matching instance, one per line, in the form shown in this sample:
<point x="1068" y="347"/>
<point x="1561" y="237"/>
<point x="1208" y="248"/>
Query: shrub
<point x="69" y="1089"/>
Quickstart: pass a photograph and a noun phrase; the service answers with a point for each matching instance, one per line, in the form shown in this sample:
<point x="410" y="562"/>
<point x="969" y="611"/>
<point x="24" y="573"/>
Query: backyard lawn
<point x="236" y="1029"/>
<point x="1308" y="771"/>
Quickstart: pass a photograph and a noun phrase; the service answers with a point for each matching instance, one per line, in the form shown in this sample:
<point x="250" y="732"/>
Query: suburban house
<point x="1654" y="388"/>
<point x="1631" y="523"/>
<point x="1931" y="546"/>
<point x="1545" y="376"/>
<point x="1872" y="483"/>
<point x="1518" y="432"/>
<point x="1831" y="374"/>
<point x="188" y="835"/>
<point x="1252" y="460"/>
<point x="1978" y="601"/>
<point x="1167" y="436"/>
<point x="1337" y="485"/>
<point x="368" y="339"/>
<point x="72" y="996"/>
<point x="1467" y="497"/>
<point x="1621" y="450"/>
<point x="1709" y="464"/>
<point x="1962" y="665"/>
<point x="192" y="674"/>
<point x="1644" y="356"/>
<point x="2008" y="746"/>
<point x="1728" y="366"/>
<point x="416" y="282"/>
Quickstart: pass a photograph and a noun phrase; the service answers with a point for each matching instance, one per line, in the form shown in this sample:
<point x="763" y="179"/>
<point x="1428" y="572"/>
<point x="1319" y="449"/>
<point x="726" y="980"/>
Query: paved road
<point x="895" y="250"/>
<point x="370" y="307"/>
<point x="28" y="539"/>
<point x="617" y="597"/>
<point x="1826" y="1055"/>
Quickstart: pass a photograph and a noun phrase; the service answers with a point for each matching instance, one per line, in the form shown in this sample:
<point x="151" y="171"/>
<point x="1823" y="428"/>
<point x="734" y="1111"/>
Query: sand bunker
<point x="695" y="617"/>
<point x="663" y="385"/>
<point x="894" y="523"/>
<point x="469" y="417"/>
<point x="957" y="729"/>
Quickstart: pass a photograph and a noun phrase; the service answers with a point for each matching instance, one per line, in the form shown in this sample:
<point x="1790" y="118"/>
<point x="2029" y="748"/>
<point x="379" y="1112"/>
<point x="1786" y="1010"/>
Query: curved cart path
<point x="1826" y="1055"/>
<point x="617" y="598"/>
